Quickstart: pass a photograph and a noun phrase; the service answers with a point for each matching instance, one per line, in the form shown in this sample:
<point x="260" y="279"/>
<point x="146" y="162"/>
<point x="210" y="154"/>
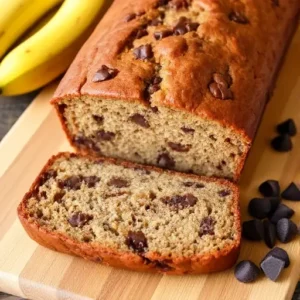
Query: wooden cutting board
<point x="34" y="272"/>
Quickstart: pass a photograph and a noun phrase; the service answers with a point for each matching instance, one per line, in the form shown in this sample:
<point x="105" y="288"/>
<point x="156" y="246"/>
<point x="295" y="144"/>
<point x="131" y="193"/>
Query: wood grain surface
<point x="34" y="272"/>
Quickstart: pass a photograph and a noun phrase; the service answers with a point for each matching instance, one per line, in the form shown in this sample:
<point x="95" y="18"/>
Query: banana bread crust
<point x="211" y="262"/>
<point x="250" y="52"/>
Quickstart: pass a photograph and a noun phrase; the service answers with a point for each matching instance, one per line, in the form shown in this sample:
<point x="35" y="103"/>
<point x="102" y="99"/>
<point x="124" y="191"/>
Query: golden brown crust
<point x="250" y="52"/>
<point x="212" y="262"/>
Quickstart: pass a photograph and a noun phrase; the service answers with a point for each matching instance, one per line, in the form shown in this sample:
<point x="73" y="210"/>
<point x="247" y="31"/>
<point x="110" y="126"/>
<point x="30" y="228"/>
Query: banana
<point x="17" y="16"/>
<point x="48" y="52"/>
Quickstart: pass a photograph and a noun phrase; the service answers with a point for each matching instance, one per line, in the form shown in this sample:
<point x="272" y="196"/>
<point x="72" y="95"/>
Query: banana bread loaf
<point x="127" y="215"/>
<point x="180" y="84"/>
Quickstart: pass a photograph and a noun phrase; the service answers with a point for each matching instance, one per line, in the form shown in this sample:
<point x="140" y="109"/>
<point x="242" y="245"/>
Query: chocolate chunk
<point x="292" y="192"/>
<point x="286" y="230"/>
<point x="164" y="160"/>
<point x="282" y="211"/>
<point x="179" y="147"/>
<point x="224" y="193"/>
<point x="188" y="183"/>
<point x="105" y="73"/>
<point x="143" y="52"/>
<point x="279" y="253"/>
<point x="43" y="194"/>
<point x="152" y="195"/>
<point x="287" y="127"/>
<point x="118" y="182"/>
<point x="159" y="35"/>
<point x="269" y="233"/>
<point x="219" y="91"/>
<point x="253" y="230"/>
<point x="141" y="32"/>
<point x="47" y="175"/>
<point x="105" y="135"/>
<point x="238" y="17"/>
<point x="139" y="120"/>
<point x="246" y="271"/>
<point x="71" y="183"/>
<point x="79" y="219"/>
<point x="270" y="188"/>
<point x="137" y="241"/>
<point x="91" y="181"/>
<point x="58" y="197"/>
<point x="261" y="208"/>
<point x="282" y="143"/>
<point x="180" y="29"/>
<point x="180" y="202"/>
<point x="154" y="109"/>
<point x="223" y="80"/>
<point x="207" y="226"/>
<point x="199" y="186"/>
<point x="87" y="142"/>
<point x="187" y="130"/>
<point x="98" y="119"/>
<point x="39" y="214"/>
<point x="272" y="266"/>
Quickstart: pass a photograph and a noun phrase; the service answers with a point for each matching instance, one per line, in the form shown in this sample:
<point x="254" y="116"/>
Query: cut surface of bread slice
<point x="132" y="216"/>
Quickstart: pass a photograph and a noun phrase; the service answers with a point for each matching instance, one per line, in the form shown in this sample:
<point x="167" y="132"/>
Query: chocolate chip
<point x="141" y="32"/>
<point x="180" y="29"/>
<point x="282" y="211"/>
<point x="270" y="188"/>
<point x="272" y="266"/>
<point x="253" y="230"/>
<point x="224" y="193"/>
<point x="71" y="183"/>
<point x="162" y="2"/>
<point x="137" y="241"/>
<point x="154" y="109"/>
<point x="140" y="13"/>
<point x="246" y="271"/>
<point x="179" y="147"/>
<point x="159" y="35"/>
<point x="58" y="197"/>
<point x="261" y="208"/>
<point x="79" y="219"/>
<point x="180" y="202"/>
<point x="269" y="233"/>
<point x="156" y="22"/>
<point x="39" y="214"/>
<point x="143" y="52"/>
<point x="105" y="135"/>
<point x="282" y="143"/>
<point x="47" y="175"/>
<point x="287" y="127"/>
<point x="152" y="195"/>
<point x="105" y="73"/>
<point x="207" y="226"/>
<point x="87" y="142"/>
<point x="219" y="89"/>
<point x="118" y="182"/>
<point x="139" y="120"/>
<point x="279" y="253"/>
<point x="91" y="181"/>
<point x="61" y="108"/>
<point x="130" y="17"/>
<point x="286" y="230"/>
<point x="199" y="186"/>
<point x="164" y="160"/>
<point x="43" y="194"/>
<point x="292" y="192"/>
<point x="238" y="17"/>
<point x="188" y="183"/>
<point x="187" y="130"/>
<point x="98" y="119"/>
<point x="223" y="80"/>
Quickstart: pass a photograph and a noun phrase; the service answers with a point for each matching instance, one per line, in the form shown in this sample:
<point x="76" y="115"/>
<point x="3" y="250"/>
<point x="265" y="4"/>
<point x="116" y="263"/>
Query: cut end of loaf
<point x="156" y="136"/>
<point x="130" y="209"/>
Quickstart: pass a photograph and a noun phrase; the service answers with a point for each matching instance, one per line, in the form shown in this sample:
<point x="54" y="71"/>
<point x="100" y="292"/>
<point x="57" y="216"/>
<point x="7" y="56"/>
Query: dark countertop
<point x="10" y="111"/>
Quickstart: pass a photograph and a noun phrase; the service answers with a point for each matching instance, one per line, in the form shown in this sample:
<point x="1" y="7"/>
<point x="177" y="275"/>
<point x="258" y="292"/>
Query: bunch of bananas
<point x="40" y="38"/>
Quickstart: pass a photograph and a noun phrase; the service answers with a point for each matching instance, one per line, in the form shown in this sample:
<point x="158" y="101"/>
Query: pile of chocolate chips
<point x="283" y="142"/>
<point x="272" y="222"/>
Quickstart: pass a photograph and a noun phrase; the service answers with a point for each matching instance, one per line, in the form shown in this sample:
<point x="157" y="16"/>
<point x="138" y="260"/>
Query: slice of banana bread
<point x="132" y="216"/>
<point x="180" y="84"/>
